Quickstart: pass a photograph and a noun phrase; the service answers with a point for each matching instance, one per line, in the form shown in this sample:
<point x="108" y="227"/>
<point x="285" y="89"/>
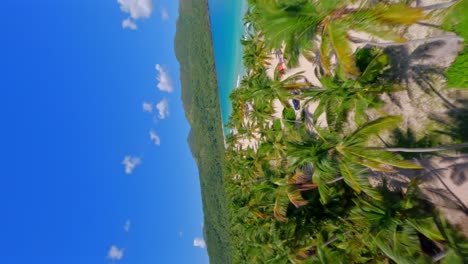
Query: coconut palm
<point x="261" y="114"/>
<point x="255" y="53"/>
<point x="405" y="220"/>
<point x="261" y="89"/>
<point x="379" y="230"/>
<point x="338" y="97"/>
<point x="296" y="24"/>
<point x="333" y="155"/>
<point x="273" y="147"/>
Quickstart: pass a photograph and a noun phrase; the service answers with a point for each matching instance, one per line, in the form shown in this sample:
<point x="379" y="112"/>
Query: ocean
<point x="227" y="30"/>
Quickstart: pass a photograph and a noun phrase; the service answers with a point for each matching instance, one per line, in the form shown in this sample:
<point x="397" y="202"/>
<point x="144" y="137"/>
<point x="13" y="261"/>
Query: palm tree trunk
<point x="335" y="180"/>
<point x="390" y="44"/>
<point x="439" y="256"/>
<point x="446" y="101"/>
<point x="334" y="238"/>
<point x="415" y="150"/>
<point x="428" y="25"/>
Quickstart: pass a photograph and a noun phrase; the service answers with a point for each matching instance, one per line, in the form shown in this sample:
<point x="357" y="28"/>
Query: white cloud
<point x="165" y="82"/>
<point x="147" y="107"/>
<point x="130" y="163"/>
<point x="199" y="242"/>
<point x="163" y="108"/>
<point x="129" y="23"/>
<point x="137" y="8"/>
<point x="164" y="14"/>
<point x="155" y="138"/>
<point x="115" y="253"/>
<point x="127" y="225"/>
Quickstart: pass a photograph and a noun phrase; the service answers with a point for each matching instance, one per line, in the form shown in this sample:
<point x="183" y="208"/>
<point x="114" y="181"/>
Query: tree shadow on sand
<point x="441" y="180"/>
<point x="443" y="175"/>
<point x="455" y="122"/>
<point x="415" y="67"/>
<point x="445" y="171"/>
<point x="408" y="139"/>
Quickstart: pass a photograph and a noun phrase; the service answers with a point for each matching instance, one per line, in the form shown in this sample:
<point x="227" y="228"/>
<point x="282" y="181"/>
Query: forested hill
<point x="194" y="50"/>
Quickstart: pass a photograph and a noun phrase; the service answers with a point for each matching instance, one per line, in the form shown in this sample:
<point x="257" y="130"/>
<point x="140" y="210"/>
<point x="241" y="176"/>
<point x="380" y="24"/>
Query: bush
<point x="289" y="114"/>
<point x="456" y="20"/>
<point x="456" y="74"/>
<point x="363" y="57"/>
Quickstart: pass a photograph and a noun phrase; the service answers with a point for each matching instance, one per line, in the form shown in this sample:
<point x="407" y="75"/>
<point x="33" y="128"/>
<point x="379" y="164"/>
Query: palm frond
<point x="360" y="107"/>
<point x="326" y="52"/>
<point x="393" y="14"/>
<point x="374" y="127"/>
<point x="281" y="206"/>
<point x="427" y="227"/>
<point x="340" y="44"/>
<point x="356" y="177"/>
<point x="295" y="197"/>
<point x="382" y="157"/>
<point x="374" y="68"/>
<point x="321" y="176"/>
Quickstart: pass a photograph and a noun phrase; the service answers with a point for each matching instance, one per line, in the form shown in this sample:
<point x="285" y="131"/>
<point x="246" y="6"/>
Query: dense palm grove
<point x="302" y="194"/>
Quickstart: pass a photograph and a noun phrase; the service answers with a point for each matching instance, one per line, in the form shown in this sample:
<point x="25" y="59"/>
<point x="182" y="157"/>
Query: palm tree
<point x="259" y="88"/>
<point x="297" y="23"/>
<point x="255" y="52"/>
<point x="333" y="155"/>
<point x="379" y="230"/>
<point x="406" y="220"/>
<point x="338" y="97"/>
<point x="431" y="149"/>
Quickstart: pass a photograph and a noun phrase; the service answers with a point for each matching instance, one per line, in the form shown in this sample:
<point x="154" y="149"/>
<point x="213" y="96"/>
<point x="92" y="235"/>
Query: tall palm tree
<point x="261" y="113"/>
<point x="255" y="52"/>
<point x="297" y="23"/>
<point x="406" y="220"/>
<point x="338" y="97"/>
<point x="333" y="155"/>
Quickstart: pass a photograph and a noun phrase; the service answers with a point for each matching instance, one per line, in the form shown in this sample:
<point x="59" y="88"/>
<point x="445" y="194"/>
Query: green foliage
<point x="277" y="125"/>
<point x="289" y="114"/>
<point x="456" y="74"/>
<point x="372" y="63"/>
<point x="456" y="20"/>
<point x="303" y="195"/>
<point x="338" y="97"/>
<point x="295" y="24"/>
<point x="194" y="51"/>
<point x="363" y="57"/>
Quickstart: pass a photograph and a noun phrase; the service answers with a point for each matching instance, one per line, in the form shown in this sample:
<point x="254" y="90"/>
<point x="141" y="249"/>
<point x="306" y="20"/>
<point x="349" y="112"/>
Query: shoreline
<point x="229" y="77"/>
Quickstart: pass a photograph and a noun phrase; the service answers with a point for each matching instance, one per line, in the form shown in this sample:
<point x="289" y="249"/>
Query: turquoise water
<point x="227" y="31"/>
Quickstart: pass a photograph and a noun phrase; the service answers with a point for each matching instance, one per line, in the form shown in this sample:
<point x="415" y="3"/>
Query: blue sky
<point x="96" y="165"/>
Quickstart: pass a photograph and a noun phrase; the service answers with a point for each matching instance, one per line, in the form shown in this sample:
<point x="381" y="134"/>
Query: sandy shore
<point x="308" y="68"/>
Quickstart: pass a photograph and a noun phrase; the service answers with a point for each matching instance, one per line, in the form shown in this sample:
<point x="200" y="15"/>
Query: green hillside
<point x="194" y="50"/>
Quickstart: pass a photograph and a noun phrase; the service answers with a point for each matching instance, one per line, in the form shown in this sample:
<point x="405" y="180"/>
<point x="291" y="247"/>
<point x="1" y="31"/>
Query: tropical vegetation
<point x="457" y="21"/>
<point x="305" y="191"/>
<point x="329" y="171"/>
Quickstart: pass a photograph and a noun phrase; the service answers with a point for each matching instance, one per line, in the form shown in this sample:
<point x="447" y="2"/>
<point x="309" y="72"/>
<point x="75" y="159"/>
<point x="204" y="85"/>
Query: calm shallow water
<point x="227" y="30"/>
